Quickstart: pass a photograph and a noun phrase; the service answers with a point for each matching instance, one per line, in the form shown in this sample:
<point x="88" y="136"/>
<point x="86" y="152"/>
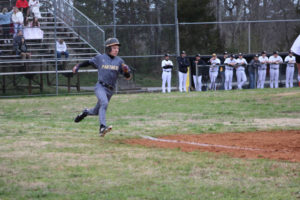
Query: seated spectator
<point x="17" y="19"/>
<point x="23" y="6"/>
<point x="35" y="8"/>
<point x="32" y="31"/>
<point x="61" y="48"/>
<point x="5" y="21"/>
<point x="17" y="40"/>
<point x="22" y="50"/>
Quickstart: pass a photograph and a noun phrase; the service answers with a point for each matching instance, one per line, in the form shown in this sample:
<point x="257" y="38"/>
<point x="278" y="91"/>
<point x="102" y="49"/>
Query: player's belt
<point x="106" y="85"/>
<point x="166" y="71"/>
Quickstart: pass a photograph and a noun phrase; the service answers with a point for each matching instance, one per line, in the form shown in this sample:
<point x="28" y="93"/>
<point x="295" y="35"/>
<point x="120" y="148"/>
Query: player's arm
<point x="83" y="64"/>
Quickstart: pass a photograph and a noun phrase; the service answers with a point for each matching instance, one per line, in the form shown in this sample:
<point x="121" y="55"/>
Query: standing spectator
<point x="5" y="21"/>
<point x="183" y="64"/>
<point x="240" y="71"/>
<point x="290" y="68"/>
<point x="230" y="64"/>
<point x="197" y="79"/>
<point x="213" y="71"/>
<point x="253" y="65"/>
<point x="22" y="50"/>
<point x="296" y="50"/>
<point x="17" y="40"/>
<point x="61" y="49"/>
<point x="23" y="6"/>
<point x="167" y="66"/>
<point x="262" y="69"/>
<point x="35" y="8"/>
<point x="274" y="61"/>
<point x="17" y="19"/>
<point x="222" y="70"/>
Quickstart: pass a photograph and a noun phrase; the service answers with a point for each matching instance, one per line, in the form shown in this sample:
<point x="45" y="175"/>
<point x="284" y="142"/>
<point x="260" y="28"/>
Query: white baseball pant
<point x="197" y="82"/>
<point x="182" y="81"/>
<point x="241" y="78"/>
<point x="228" y="79"/>
<point x="166" y="78"/>
<point x="274" y="76"/>
<point x="289" y="76"/>
<point x="213" y="77"/>
<point x="261" y="78"/>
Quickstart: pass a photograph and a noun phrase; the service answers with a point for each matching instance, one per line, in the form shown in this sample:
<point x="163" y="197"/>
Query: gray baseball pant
<point x="103" y="95"/>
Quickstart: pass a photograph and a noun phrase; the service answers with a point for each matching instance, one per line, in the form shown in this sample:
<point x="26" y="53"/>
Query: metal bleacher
<point x="38" y="69"/>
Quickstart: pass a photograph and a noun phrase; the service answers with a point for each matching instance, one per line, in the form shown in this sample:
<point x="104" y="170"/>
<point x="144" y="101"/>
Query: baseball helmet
<point x="112" y="41"/>
<point x="232" y="55"/>
<point x="256" y="55"/>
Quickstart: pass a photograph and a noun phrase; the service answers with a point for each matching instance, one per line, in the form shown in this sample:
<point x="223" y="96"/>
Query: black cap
<point x="256" y="55"/>
<point x="197" y="55"/>
<point x="225" y="53"/>
<point x="263" y="52"/>
<point x="166" y="55"/>
<point x="240" y="54"/>
<point x="182" y="52"/>
<point x="232" y="55"/>
<point x="290" y="51"/>
<point x="275" y="52"/>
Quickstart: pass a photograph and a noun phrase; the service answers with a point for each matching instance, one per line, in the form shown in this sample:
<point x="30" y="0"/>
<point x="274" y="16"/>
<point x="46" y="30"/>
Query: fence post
<point x="249" y="38"/>
<point x="55" y="39"/>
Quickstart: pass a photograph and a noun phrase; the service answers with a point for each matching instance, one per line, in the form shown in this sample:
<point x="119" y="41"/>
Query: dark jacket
<point x="22" y="48"/>
<point x="16" y="42"/>
<point x="183" y="63"/>
<point x="253" y="65"/>
<point x="200" y="69"/>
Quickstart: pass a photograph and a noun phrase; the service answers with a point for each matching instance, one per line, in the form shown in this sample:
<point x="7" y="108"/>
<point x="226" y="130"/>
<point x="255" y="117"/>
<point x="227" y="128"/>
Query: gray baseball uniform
<point x="108" y="70"/>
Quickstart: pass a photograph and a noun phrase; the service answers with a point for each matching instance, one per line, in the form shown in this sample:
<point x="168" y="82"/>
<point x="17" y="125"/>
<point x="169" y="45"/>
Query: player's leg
<point x="230" y="79"/>
<point x="226" y="84"/>
<point x="264" y="74"/>
<point x="200" y="83"/>
<point x="195" y="82"/>
<point x="164" y="79"/>
<point x="276" y="77"/>
<point x="184" y="81"/>
<point x="287" y="77"/>
<point x="238" y="78"/>
<point x="169" y="76"/>
<point x="244" y="78"/>
<point x="180" y="75"/>
<point x="292" y="70"/>
<point x="272" y="73"/>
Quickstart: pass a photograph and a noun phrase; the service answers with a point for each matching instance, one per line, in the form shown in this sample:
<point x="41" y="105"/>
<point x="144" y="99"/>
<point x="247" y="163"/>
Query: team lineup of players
<point x="225" y="67"/>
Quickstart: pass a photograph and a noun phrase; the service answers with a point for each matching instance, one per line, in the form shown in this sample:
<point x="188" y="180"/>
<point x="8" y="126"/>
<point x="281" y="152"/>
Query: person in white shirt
<point x="296" y="51"/>
<point x="240" y="71"/>
<point x="274" y="61"/>
<point x="35" y="8"/>
<point x="230" y="64"/>
<point x="213" y="71"/>
<point x="61" y="49"/>
<point x="167" y="66"/>
<point x="290" y="68"/>
<point x="262" y="70"/>
<point x="18" y="20"/>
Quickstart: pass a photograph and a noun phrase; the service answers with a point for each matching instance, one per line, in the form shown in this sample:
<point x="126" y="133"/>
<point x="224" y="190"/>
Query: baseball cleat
<point x="81" y="116"/>
<point x="104" y="129"/>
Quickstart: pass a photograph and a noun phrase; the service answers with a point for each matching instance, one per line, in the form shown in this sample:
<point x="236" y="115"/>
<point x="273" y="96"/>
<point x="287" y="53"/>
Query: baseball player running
<point x="213" y="71"/>
<point x="290" y="68"/>
<point x="296" y="50"/>
<point x="183" y="64"/>
<point x="230" y="64"/>
<point x="240" y="71"/>
<point x="275" y="60"/>
<point x="167" y="66"/>
<point x="262" y="69"/>
<point x="109" y="65"/>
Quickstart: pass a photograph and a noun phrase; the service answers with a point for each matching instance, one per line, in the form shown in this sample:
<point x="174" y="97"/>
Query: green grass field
<point x="44" y="155"/>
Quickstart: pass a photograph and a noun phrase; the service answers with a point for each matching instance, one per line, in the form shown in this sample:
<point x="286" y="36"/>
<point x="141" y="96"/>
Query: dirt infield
<point x="279" y="145"/>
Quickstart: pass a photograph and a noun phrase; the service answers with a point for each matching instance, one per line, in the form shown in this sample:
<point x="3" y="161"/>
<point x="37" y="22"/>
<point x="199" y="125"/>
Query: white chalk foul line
<point x="199" y="144"/>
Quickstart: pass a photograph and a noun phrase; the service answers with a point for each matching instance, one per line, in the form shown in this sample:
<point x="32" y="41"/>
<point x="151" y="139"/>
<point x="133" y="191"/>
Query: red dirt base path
<point x="279" y="145"/>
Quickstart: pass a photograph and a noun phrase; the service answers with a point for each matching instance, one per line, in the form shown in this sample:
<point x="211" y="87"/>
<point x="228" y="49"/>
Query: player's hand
<point x="125" y="68"/>
<point x="74" y="69"/>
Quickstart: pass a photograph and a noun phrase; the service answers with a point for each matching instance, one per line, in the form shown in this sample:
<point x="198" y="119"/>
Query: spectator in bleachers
<point x="17" y="40"/>
<point x="32" y="30"/>
<point x="240" y="71"/>
<point x="35" y="8"/>
<point x="290" y="61"/>
<point x="274" y="61"/>
<point x="5" y="21"/>
<point x="253" y="65"/>
<point x="23" y="6"/>
<point x="61" y="49"/>
<point x="22" y="50"/>
<point x="18" y="20"/>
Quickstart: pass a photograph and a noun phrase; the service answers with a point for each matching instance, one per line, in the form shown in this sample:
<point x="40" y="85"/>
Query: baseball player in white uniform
<point x="290" y="61"/>
<point x="213" y="71"/>
<point x="167" y="66"/>
<point x="296" y="50"/>
<point x="262" y="69"/>
<point x="230" y="64"/>
<point x="275" y="60"/>
<point x="240" y="71"/>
